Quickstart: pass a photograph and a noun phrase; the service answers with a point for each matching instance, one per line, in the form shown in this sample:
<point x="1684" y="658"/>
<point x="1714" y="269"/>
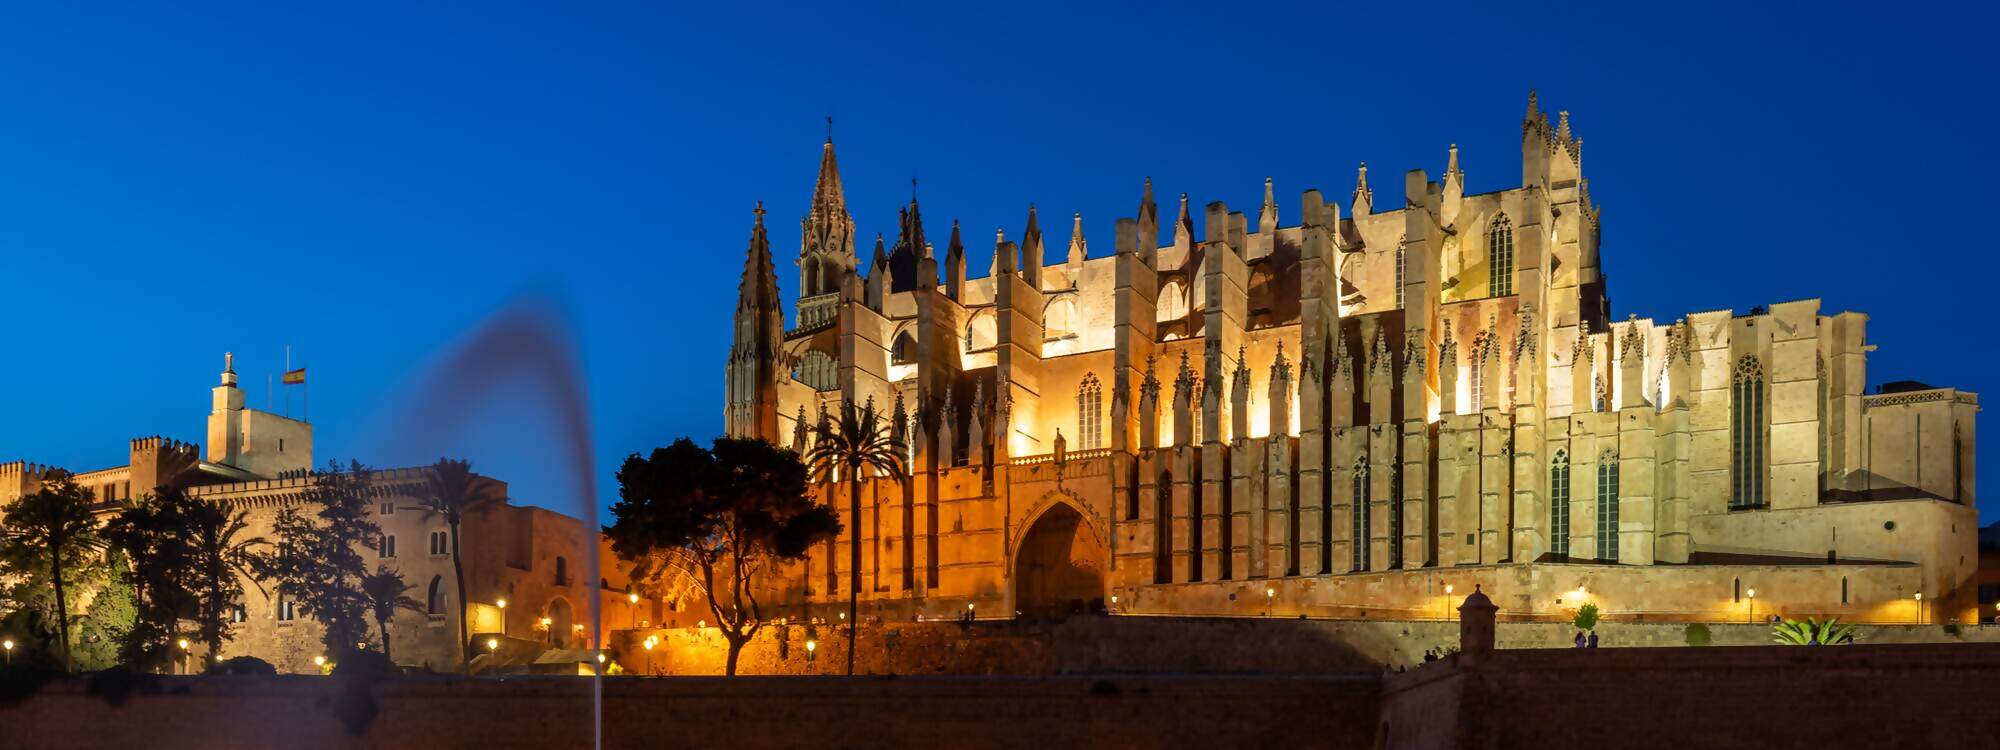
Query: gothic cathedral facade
<point x="1348" y="416"/>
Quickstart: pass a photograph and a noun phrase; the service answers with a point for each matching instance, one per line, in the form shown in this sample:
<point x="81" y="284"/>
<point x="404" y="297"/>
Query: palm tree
<point x="860" y="440"/>
<point x="450" y="491"/>
<point x="1812" y="632"/>
<point x="387" y="592"/>
<point x="223" y="556"/>
<point x="53" y="524"/>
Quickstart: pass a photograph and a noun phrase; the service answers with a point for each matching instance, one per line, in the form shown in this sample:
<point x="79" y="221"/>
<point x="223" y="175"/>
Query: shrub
<point x="1586" y="617"/>
<point x="1812" y="632"/>
<point x="1696" y="634"/>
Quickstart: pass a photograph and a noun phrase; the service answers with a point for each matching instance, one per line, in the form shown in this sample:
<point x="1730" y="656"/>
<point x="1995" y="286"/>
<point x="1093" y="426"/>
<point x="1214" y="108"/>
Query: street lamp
<point x="319" y="662"/>
<point x="1269" y="594"/>
<point x="503" y="615"/>
<point x="183" y="643"/>
<point x="1444" y="613"/>
<point x="632" y="598"/>
<point x="493" y="644"/>
<point x="811" y="647"/>
<point x="1752" y="594"/>
<point x="1920" y="608"/>
<point x="8" y="645"/>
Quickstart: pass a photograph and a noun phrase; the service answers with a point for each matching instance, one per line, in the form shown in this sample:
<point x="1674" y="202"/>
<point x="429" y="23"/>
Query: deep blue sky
<point x="371" y="183"/>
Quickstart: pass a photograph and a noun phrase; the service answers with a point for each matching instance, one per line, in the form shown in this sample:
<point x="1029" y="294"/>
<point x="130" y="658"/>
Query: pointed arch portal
<point x="1057" y="569"/>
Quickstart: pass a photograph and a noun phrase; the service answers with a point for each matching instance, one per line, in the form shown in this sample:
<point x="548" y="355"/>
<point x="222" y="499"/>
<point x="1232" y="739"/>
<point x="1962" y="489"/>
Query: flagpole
<point x="288" y="391"/>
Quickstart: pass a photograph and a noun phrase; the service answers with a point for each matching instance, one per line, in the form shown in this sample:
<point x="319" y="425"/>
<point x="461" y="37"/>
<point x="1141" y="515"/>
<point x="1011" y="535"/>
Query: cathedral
<point x="1348" y="412"/>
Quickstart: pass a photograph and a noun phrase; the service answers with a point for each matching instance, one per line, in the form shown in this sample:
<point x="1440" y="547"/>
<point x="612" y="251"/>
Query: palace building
<point x="540" y="563"/>
<point x="1348" y="412"/>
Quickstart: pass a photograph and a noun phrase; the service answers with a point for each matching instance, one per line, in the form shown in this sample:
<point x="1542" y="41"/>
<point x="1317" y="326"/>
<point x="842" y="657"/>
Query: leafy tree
<point x="220" y="555"/>
<point x="318" y="562"/>
<point x="449" y="491"/>
<point x="1586" y="617"/>
<point x="52" y="528"/>
<point x="859" y="441"/>
<point x="387" y="592"/>
<point x="148" y="536"/>
<point x="729" y="510"/>
<point x="1811" y="632"/>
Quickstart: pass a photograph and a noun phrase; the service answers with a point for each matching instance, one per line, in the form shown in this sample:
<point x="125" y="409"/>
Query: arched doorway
<point x="1058" y="569"/>
<point x="560" y="623"/>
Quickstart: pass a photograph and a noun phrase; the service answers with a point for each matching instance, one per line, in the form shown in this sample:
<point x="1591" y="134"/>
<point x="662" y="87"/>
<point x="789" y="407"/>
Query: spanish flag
<point x="295" y="377"/>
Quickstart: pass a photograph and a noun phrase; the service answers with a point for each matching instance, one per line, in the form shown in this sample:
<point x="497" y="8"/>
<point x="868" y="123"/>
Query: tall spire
<point x="1077" y="249"/>
<point x="1451" y="164"/>
<point x="756" y="351"/>
<point x="910" y="246"/>
<point x="954" y="264"/>
<point x="1031" y="248"/>
<point x="1147" y="209"/>
<point x="826" y="244"/>
<point x="1267" y="219"/>
<point x="1364" y="199"/>
<point x="1184" y="226"/>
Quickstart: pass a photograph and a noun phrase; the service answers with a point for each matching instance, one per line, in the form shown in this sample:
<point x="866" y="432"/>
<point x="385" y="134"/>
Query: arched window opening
<point x="817" y="370"/>
<point x="1500" y="257"/>
<point x="981" y="334"/>
<point x="1559" y="503"/>
<point x="1747" y="457"/>
<point x="1738" y="595"/>
<point x="1059" y="319"/>
<point x="1173" y="304"/>
<point x="1607" y="508"/>
<point x="1090" y="413"/>
<point x="1402" y="268"/>
<point x="434" y="602"/>
<point x="562" y="571"/>
<point x="1358" y="521"/>
<point x="1395" y="516"/>
<point x="905" y="351"/>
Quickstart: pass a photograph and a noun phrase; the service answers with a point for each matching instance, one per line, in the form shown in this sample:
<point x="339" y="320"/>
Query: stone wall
<point x="1859" y="696"/>
<point x="1162" y="645"/>
<point x="746" y="712"/>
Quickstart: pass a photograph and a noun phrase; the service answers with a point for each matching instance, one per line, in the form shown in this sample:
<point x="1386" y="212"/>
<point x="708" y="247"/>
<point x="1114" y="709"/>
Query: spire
<point x="1031" y="249"/>
<point x="1451" y="169"/>
<point x="1534" y="107"/>
<point x="954" y="264"/>
<point x="999" y="238"/>
<point x="826" y="244"/>
<point x="1077" y="250"/>
<point x="1184" y="226"/>
<point x="758" y="289"/>
<point x="1364" y="199"/>
<point x="1562" y="126"/>
<point x="910" y="246"/>
<point x="1267" y="219"/>
<point x="1147" y="209"/>
<point x="755" y="353"/>
<point x="880" y="259"/>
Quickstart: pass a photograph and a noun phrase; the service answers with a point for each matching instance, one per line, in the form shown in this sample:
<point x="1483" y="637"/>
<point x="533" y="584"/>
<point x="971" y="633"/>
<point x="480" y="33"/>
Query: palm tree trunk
<point x="464" y="638"/>
<point x="854" y="564"/>
<point x="384" y="625"/>
<point x="62" y="601"/>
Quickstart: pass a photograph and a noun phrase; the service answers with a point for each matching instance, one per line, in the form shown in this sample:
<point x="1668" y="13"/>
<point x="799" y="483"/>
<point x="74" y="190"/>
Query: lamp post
<point x="183" y="643"/>
<point x="503" y="616"/>
<point x="8" y="645"/>
<point x="319" y="662"/>
<point x="1269" y="594"/>
<point x="632" y="598"/>
<point x="1444" y="612"/>
<point x="1920" y="608"/>
<point x="1751" y="594"/>
<point x="812" y="646"/>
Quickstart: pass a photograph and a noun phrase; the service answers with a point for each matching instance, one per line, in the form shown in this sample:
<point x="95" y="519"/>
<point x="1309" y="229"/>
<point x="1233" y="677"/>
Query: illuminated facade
<point x="1344" y="415"/>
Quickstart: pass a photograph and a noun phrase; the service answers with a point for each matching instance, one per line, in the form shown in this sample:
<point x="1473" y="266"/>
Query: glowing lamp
<point x="492" y="644"/>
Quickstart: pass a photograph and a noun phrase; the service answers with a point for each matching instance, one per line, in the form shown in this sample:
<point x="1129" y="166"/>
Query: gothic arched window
<point x="435" y="601"/>
<point x="1478" y="379"/>
<point x="1395" y="516"/>
<point x="1402" y="267"/>
<point x="905" y="351"/>
<point x="1746" y="441"/>
<point x="982" y="333"/>
<point x="1090" y="413"/>
<point x="1607" y="507"/>
<point x="1359" y="519"/>
<point x="1500" y="257"/>
<point x="817" y="370"/>
<point x="1173" y="304"/>
<point x="1559" y="503"/>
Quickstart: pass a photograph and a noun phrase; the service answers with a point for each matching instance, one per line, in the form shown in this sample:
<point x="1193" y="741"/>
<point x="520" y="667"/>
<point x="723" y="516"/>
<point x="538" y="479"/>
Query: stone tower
<point x="755" y="356"/>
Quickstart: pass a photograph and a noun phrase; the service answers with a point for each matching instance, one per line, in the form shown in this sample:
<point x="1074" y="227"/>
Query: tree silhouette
<point x="318" y="561"/>
<point x="448" y="492"/>
<point x="221" y="555"/>
<point x="860" y="440"/>
<point x="52" y="527"/>
<point x="729" y="510"/>
<point x="387" y="592"/>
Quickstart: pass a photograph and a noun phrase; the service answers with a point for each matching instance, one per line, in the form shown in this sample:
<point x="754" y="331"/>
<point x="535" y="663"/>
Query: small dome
<point x="1478" y="601"/>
